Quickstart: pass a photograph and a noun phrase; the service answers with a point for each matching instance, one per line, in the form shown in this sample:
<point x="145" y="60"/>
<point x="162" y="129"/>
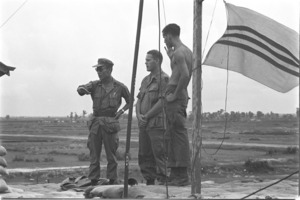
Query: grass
<point x="291" y="150"/>
<point x="21" y="158"/>
<point x="121" y="155"/>
<point x="258" y="166"/>
<point x="44" y="152"/>
<point x="83" y="157"/>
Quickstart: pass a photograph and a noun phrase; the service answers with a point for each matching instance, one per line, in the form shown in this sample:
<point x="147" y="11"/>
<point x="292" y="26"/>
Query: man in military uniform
<point x="106" y="94"/>
<point x="149" y="107"/>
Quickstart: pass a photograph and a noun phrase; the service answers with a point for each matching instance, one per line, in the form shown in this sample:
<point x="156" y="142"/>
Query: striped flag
<point x="259" y="48"/>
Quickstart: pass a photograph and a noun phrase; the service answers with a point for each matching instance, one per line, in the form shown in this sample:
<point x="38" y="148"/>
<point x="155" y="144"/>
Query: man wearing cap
<point x="106" y="94"/>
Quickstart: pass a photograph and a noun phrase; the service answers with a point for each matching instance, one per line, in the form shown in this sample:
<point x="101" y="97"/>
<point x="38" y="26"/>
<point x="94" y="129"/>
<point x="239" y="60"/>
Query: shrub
<point x="32" y="160"/>
<point x="18" y="158"/>
<point x="55" y="152"/>
<point x="83" y="157"/>
<point x="271" y="151"/>
<point x="254" y="139"/>
<point x="291" y="150"/>
<point x="48" y="159"/>
<point x="258" y="166"/>
<point x="121" y="155"/>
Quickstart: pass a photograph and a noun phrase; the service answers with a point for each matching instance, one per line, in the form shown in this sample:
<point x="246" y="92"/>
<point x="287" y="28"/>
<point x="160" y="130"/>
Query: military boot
<point x="173" y="174"/>
<point x="182" y="178"/>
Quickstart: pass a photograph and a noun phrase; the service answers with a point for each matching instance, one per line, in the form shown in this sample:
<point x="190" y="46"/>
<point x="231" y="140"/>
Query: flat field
<point x="252" y="149"/>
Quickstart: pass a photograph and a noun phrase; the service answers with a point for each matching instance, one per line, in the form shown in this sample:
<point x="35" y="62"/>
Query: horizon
<point x="88" y="114"/>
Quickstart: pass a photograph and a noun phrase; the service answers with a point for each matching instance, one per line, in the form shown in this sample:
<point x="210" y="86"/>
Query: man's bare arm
<point x="184" y="76"/>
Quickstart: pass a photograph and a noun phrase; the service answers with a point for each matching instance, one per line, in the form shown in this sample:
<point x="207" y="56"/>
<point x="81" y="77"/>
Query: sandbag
<point x="3" y="186"/>
<point x="113" y="190"/>
<point x="113" y="193"/>
<point x="139" y="192"/>
<point x="3" y="162"/>
<point x="3" y="151"/>
<point x="3" y="171"/>
<point x="116" y="192"/>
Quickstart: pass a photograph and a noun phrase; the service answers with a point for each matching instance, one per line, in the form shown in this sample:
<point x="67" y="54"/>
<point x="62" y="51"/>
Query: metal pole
<point x="299" y="117"/>
<point x="197" y="73"/>
<point x="163" y="105"/>
<point x="136" y="52"/>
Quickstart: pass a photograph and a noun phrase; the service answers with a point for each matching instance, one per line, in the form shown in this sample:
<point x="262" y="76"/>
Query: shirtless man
<point x="176" y="103"/>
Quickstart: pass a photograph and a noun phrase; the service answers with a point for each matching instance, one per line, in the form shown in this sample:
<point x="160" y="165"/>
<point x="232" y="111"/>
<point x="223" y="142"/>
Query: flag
<point x="4" y="69"/>
<point x="259" y="48"/>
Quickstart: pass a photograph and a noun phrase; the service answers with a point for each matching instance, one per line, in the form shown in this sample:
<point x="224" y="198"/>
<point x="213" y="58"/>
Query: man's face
<point x="151" y="63"/>
<point x="103" y="72"/>
<point x="167" y="40"/>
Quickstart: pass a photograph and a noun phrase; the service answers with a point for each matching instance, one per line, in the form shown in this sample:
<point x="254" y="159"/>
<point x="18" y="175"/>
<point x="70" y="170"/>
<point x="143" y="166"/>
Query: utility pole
<point x="196" y="99"/>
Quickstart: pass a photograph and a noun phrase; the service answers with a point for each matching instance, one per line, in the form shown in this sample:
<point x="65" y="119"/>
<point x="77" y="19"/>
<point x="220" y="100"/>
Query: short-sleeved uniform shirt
<point x="150" y="91"/>
<point x="107" y="102"/>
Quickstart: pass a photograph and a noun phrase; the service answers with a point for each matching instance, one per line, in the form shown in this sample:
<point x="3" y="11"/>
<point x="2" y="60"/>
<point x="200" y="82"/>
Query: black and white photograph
<point x="153" y="99"/>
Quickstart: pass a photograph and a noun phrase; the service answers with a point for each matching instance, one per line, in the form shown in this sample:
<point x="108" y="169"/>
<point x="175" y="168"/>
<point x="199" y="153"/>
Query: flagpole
<point x="196" y="99"/>
<point x="136" y="52"/>
<point x="299" y="117"/>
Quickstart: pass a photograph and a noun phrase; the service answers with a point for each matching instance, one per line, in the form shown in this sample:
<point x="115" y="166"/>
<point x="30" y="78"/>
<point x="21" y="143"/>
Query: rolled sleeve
<point x="88" y="87"/>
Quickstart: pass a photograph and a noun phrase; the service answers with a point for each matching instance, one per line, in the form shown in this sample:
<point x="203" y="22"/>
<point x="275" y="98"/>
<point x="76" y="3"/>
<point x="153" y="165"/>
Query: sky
<point x="54" y="43"/>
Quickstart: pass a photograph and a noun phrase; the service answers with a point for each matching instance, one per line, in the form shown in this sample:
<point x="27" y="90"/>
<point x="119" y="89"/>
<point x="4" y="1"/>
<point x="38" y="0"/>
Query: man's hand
<point x="118" y="114"/>
<point x="82" y="91"/>
<point x="142" y="121"/>
<point x="169" y="51"/>
<point x="170" y="97"/>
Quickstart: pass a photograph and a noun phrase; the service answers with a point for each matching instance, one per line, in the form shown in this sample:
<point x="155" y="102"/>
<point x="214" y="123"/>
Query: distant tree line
<point x="74" y="116"/>
<point x="221" y="115"/>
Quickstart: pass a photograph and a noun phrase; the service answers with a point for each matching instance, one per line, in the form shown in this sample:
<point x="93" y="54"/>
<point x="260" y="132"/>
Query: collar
<point x="156" y="76"/>
<point x="112" y="80"/>
<point x="152" y="77"/>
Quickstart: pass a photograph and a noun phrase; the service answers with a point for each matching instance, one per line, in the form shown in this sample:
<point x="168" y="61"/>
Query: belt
<point x="104" y="114"/>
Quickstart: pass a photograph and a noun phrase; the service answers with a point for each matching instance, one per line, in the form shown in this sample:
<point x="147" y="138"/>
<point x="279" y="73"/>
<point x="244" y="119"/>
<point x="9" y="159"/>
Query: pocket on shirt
<point x="153" y="92"/>
<point x="114" y="99"/>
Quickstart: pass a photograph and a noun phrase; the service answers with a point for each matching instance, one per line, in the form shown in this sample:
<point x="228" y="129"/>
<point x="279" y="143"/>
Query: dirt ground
<point x="48" y="150"/>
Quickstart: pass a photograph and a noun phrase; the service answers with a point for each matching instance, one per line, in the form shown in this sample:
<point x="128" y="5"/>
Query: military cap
<point x="104" y="61"/>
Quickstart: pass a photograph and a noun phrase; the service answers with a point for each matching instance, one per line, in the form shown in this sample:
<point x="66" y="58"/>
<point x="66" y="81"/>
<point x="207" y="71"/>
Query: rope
<point x="13" y="14"/>
<point x="271" y="185"/>
<point x="158" y="7"/>
<point x="164" y="11"/>
<point x="209" y="27"/>
<point x="226" y="95"/>
<point x="225" y="110"/>
<point x="208" y="31"/>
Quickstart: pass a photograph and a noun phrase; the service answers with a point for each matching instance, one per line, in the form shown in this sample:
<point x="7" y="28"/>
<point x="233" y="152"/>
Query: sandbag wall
<point x="3" y="170"/>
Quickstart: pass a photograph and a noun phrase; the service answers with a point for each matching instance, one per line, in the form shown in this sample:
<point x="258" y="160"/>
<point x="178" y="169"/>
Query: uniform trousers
<point x="151" y="156"/>
<point x="179" y="151"/>
<point x="111" y="143"/>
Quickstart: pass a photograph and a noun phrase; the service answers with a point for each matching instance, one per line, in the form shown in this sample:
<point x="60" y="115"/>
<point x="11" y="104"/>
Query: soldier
<point x="106" y="94"/>
<point x="151" y="154"/>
